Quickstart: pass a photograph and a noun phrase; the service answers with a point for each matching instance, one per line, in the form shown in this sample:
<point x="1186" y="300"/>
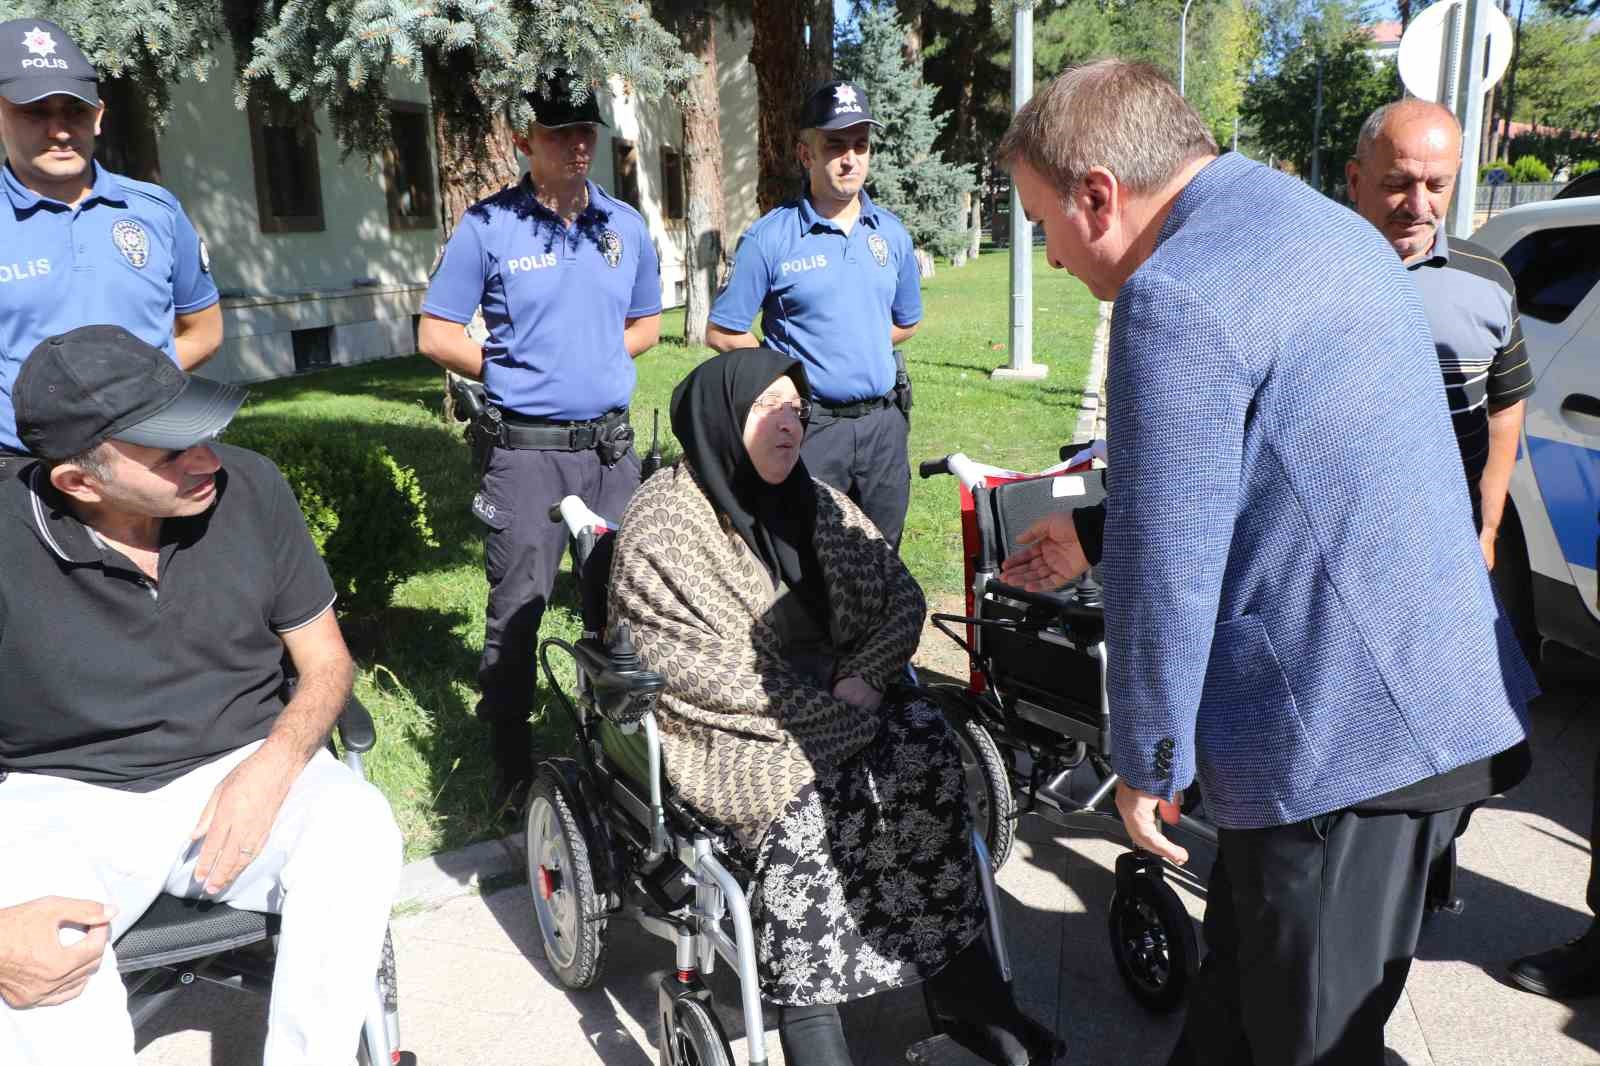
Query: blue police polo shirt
<point x="126" y="256"/>
<point x="554" y="299"/>
<point x="826" y="297"/>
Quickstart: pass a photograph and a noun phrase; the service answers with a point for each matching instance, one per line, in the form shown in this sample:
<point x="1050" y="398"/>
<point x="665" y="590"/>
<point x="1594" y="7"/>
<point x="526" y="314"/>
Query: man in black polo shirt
<point x="153" y="582"/>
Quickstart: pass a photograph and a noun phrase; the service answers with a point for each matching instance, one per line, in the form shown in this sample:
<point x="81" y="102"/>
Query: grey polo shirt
<point x="1471" y="305"/>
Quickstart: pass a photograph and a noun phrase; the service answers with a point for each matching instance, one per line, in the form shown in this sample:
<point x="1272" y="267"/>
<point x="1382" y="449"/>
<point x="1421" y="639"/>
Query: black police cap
<point x="834" y="105"/>
<point x="554" y="107"/>
<point x="100" y="383"/>
<point x="38" y="59"/>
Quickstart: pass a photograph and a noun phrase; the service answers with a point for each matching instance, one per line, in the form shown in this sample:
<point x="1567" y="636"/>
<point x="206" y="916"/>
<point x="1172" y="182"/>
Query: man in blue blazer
<point x="1297" y="611"/>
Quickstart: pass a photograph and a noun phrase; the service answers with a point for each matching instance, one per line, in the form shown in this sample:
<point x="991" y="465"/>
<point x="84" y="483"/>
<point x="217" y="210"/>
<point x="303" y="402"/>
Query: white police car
<point x="1546" y="560"/>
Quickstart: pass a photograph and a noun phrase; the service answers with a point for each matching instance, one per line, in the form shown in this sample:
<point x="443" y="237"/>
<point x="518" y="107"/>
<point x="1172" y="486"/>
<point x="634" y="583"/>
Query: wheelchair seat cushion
<point x="176" y="930"/>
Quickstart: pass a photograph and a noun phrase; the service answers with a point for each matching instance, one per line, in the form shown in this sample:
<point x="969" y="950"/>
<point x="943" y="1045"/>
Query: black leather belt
<point x="549" y="435"/>
<point x="855" y="410"/>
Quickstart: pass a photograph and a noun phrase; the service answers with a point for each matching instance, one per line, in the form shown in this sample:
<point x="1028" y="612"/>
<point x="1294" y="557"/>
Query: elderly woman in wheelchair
<point x="779" y="621"/>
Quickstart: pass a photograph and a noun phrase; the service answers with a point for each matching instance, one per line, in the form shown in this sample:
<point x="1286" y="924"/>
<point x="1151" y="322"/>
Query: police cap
<point x="833" y="105"/>
<point x="554" y="106"/>
<point x="38" y="59"/>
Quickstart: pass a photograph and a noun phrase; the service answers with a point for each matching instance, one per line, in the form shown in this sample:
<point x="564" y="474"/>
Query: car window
<point x="1554" y="270"/>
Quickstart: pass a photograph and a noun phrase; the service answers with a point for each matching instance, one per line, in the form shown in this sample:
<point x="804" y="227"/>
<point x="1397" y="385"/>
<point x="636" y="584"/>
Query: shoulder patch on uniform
<point x="438" y="261"/>
<point x="879" y="248"/>
<point x="132" y="241"/>
<point x="205" y="257"/>
<point x="611" y="247"/>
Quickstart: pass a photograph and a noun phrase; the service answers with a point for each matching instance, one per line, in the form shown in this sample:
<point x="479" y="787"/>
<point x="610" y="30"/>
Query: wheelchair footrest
<point x="941" y="1050"/>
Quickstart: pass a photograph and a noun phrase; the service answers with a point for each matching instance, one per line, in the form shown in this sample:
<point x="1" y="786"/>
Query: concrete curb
<point x="437" y="878"/>
<point x="1092" y="416"/>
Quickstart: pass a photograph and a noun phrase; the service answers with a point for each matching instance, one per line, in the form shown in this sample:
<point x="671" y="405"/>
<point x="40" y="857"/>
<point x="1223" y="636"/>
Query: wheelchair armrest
<point x="623" y="693"/>
<point x="355" y="728"/>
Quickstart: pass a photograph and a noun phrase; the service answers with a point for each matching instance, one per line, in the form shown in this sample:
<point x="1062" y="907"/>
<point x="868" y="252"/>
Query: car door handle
<point x="1582" y="412"/>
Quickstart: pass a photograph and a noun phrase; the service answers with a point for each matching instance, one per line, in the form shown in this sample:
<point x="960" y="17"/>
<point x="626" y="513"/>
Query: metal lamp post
<point x="1183" y="45"/>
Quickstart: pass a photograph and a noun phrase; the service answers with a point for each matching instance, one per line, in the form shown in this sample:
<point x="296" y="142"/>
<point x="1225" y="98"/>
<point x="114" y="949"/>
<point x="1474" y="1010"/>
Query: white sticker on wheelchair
<point x="1069" y="485"/>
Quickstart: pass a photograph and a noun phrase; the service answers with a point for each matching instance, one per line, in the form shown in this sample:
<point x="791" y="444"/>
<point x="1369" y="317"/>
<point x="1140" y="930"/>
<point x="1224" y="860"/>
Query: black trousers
<point x="521" y="557"/>
<point x="865" y="458"/>
<point x="1593" y="895"/>
<point x="1310" y="930"/>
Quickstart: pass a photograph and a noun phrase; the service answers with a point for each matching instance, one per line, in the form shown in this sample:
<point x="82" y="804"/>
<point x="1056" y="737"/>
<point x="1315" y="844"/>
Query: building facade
<point x="323" y="261"/>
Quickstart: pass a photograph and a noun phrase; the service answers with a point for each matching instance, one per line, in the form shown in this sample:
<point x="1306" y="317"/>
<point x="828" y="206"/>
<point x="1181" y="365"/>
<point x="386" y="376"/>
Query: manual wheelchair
<point x="1033" y="720"/>
<point x="607" y="838"/>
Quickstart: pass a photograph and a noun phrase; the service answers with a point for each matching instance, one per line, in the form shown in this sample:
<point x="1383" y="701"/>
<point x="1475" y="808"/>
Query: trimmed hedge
<point x="366" y="511"/>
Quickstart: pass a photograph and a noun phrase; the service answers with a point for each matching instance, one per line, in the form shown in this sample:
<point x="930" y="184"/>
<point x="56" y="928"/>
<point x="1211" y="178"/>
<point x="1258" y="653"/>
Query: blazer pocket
<point x="1248" y="731"/>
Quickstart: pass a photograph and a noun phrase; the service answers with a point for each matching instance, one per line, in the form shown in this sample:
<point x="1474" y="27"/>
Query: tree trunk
<point x="924" y="263"/>
<point x="476" y="154"/>
<point x="705" y="254"/>
<point x="778" y="53"/>
<point x="1511" y="80"/>
<point x="959" y="259"/>
<point x="910" y="12"/>
<point x="822" y="40"/>
<point x="975" y="242"/>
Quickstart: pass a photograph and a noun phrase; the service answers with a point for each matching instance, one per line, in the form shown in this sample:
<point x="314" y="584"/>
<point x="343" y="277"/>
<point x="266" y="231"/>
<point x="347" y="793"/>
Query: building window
<point x="409" y="168"/>
<point x="625" y="172"/>
<point x="128" y="145"/>
<point x="313" y="348"/>
<point x="671" y="182"/>
<point x="283" y="147"/>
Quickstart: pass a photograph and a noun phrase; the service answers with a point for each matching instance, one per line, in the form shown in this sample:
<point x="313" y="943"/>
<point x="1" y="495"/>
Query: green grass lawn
<point x="419" y="657"/>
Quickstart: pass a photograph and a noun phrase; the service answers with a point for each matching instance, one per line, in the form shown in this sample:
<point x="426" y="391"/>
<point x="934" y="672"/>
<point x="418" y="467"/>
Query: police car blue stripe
<point x="1569" y="481"/>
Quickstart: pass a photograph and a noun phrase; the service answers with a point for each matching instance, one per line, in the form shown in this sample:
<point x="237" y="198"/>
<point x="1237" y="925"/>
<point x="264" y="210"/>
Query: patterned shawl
<point x="742" y="730"/>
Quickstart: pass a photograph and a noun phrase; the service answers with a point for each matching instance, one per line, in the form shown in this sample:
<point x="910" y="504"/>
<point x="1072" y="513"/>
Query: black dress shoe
<point x="1571" y="970"/>
<point x="1019" y="1041"/>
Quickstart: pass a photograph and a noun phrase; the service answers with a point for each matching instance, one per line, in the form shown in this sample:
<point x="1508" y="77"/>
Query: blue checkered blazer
<point x="1297" y="609"/>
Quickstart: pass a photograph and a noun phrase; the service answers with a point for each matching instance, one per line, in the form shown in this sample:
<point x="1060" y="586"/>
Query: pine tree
<point x="908" y="175"/>
<point x="477" y="55"/>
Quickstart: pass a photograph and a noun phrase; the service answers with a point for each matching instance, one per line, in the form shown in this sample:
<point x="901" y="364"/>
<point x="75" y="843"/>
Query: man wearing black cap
<point x="83" y="244"/>
<point x="835" y="279"/>
<point x="571" y="294"/>
<point x="153" y="583"/>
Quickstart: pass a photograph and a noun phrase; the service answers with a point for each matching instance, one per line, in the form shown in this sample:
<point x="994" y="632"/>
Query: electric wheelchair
<point x="1033" y="720"/>
<point x="179" y="942"/>
<point x="608" y="839"/>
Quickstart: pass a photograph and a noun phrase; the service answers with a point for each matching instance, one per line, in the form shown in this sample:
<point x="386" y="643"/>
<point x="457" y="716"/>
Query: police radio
<point x="652" y="459"/>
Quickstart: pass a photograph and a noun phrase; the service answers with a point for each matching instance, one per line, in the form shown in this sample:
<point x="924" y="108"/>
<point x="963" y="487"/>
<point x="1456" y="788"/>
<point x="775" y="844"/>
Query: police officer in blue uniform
<point x="81" y="245"/>
<point x="571" y="294"/>
<point x="835" y="280"/>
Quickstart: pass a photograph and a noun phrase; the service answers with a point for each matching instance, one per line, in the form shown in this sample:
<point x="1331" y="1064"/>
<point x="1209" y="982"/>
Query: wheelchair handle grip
<point x="1070" y="613"/>
<point x="934" y="467"/>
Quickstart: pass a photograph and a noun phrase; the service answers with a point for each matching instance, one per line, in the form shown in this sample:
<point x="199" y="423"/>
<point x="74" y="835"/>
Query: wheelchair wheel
<point x="695" y="1038"/>
<point x="1153" y="943"/>
<point x="990" y="801"/>
<point x="565" y="901"/>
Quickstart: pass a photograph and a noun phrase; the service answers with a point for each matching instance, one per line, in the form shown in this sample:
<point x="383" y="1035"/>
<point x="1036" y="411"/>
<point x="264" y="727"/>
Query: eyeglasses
<point x="801" y="409"/>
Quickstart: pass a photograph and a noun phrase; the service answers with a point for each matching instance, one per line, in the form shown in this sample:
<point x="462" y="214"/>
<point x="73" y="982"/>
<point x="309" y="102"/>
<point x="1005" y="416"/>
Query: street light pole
<point x="1021" y="364"/>
<point x="1183" y="45"/>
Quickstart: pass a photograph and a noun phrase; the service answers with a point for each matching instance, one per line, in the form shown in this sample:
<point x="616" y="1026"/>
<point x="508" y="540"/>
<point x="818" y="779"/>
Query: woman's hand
<point x="856" y="692"/>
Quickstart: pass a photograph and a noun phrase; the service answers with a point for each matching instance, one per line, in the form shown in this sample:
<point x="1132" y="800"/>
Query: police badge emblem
<point x="879" y="248"/>
<point x="132" y="241"/>
<point x="611" y="247"/>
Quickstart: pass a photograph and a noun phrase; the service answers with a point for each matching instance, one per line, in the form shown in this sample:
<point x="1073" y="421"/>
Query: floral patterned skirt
<point x="867" y="881"/>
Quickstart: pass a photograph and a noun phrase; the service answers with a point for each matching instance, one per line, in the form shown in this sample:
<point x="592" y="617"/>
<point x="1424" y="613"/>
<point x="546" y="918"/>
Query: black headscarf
<point x="778" y="522"/>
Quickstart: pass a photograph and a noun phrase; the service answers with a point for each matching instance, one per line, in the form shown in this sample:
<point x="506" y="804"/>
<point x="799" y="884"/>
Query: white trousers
<point x="329" y="867"/>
